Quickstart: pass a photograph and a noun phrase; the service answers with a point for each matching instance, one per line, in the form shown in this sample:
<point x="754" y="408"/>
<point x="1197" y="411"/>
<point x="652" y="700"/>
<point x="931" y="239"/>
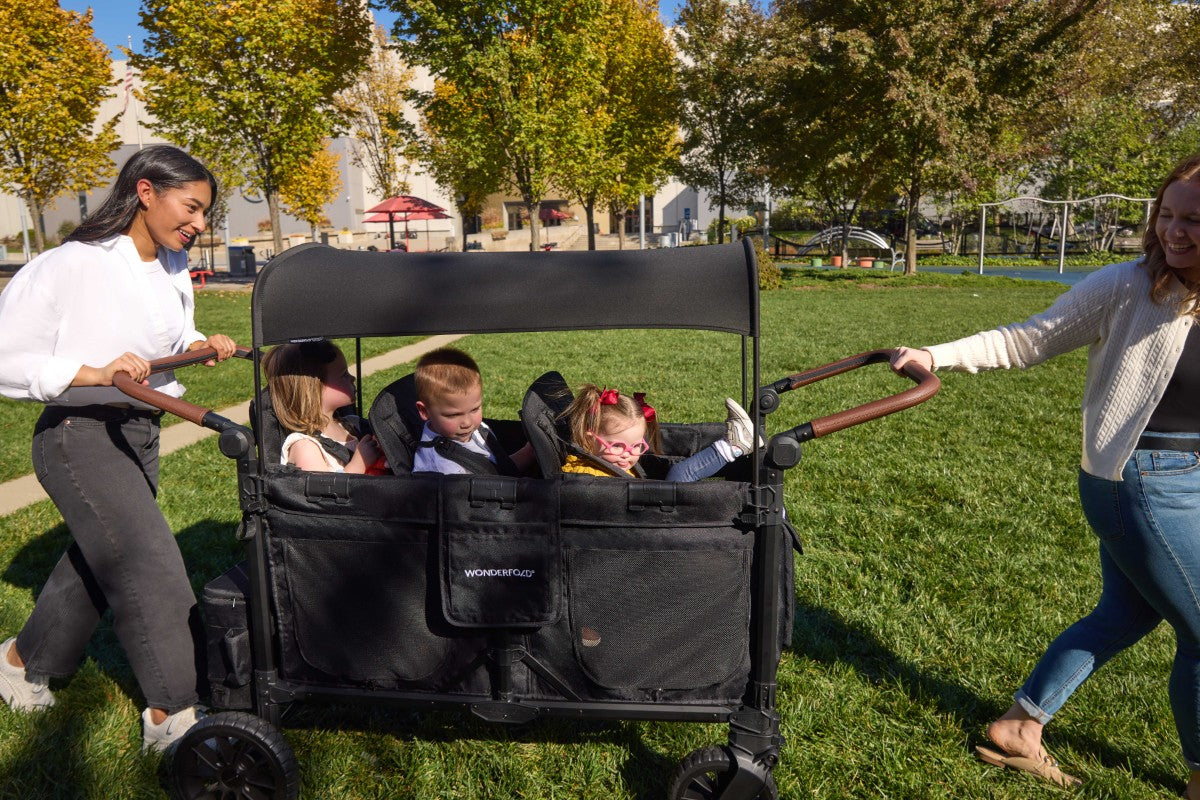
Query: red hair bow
<point x="609" y="397"/>
<point x="647" y="409"/>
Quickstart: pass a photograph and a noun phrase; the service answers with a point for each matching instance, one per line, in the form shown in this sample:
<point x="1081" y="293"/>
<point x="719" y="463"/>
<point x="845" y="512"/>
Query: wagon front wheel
<point x="706" y="774"/>
<point x="234" y="756"/>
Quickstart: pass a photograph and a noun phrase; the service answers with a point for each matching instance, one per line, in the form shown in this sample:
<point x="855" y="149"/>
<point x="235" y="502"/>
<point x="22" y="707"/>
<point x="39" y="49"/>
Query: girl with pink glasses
<point x="619" y="429"/>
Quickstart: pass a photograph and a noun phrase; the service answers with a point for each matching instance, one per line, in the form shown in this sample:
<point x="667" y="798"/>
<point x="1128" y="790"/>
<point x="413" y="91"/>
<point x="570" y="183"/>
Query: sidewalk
<point x="20" y="492"/>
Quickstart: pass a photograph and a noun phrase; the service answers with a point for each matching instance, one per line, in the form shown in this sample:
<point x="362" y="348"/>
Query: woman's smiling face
<point x="175" y="216"/>
<point x="1178" y="229"/>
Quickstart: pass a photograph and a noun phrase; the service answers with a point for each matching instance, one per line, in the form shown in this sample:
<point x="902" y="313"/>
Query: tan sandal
<point x="1047" y="770"/>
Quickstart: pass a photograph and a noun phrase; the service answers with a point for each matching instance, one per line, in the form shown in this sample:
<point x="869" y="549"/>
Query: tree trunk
<point x="273" y="215"/>
<point x="39" y="226"/>
<point x="589" y="210"/>
<point x="533" y="206"/>
<point x="910" y="239"/>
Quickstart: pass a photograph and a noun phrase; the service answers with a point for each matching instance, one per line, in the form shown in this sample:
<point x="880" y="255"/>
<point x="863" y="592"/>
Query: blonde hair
<point x="294" y="371"/>
<point x="587" y="415"/>
<point x="443" y="372"/>
<point x="1155" y="260"/>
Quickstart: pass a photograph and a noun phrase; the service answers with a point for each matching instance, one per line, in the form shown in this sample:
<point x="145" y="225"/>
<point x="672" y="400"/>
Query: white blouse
<point x="85" y="303"/>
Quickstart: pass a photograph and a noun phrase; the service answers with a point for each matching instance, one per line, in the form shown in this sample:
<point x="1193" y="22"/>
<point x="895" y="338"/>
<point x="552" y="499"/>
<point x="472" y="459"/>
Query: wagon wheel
<point x="234" y="756"/>
<point x="706" y="773"/>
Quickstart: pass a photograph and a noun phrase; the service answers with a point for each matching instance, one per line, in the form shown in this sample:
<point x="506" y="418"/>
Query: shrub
<point x="770" y="276"/>
<point x="743" y="224"/>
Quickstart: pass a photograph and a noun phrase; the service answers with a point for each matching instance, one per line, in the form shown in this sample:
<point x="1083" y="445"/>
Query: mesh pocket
<point x="359" y="609"/>
<point x="660" y="619"/>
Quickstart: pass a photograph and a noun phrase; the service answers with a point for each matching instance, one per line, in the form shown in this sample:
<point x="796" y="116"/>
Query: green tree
<point x="311" y="187"/>
<point x="373" y="108"/>
<point x="526" y="65"/>
<point x="459" y="150"/>
<point x="627" y="136"/>
<point x="251" y="82"/>
<point x="53" y="77"/>
<point x="718" y="42"/>
<point x="948" y="86"/>
<point x="1113" y="132"/>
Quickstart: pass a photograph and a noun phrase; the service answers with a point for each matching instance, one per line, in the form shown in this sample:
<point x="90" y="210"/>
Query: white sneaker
<point x="739" y="429"/>
<point x="162" y="737"/>
<point x="20" y="690"/>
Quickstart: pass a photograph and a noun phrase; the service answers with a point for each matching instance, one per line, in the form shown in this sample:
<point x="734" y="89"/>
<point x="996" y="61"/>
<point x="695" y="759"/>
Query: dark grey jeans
<point x="100" y="467"/>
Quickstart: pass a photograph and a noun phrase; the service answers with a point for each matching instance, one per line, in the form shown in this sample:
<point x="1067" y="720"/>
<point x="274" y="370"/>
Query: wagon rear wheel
<point x="706" y="773"/>
<point x="234" y="756"/>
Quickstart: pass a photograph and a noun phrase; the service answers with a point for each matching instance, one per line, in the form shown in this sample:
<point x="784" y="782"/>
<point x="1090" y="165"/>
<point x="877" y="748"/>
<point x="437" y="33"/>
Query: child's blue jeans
<point x="703" y="464"/>
<point x="1148" y="526"/>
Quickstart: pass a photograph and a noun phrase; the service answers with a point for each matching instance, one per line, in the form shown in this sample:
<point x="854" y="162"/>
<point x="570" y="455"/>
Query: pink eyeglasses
<point x="621" y="448"/>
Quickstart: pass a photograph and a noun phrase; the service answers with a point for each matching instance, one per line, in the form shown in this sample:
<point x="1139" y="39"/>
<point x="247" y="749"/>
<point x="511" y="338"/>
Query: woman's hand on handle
<point x="137" y="367"/>
<point x="224" y="346"/>
<point x="910" y="355"/>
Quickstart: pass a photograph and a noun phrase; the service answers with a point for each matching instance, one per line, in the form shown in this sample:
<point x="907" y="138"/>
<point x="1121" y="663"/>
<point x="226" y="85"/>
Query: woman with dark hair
<point x="1139" y="481"/>
<point x="115" y="295"/>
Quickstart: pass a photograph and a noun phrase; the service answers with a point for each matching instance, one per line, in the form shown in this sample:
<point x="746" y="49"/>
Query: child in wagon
<point x="455" y="439"/>
<point x="620" y="429"/>
<point x="309" y="382"/>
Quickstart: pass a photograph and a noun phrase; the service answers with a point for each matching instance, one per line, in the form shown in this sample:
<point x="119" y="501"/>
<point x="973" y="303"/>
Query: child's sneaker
<point x="162" y="737"/>
<point x="20" y="690"/>
<point x="739" y="429"/>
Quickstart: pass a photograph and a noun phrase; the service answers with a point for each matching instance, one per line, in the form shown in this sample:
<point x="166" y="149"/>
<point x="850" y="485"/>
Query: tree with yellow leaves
<point x="373" y="108"/>
<point x="252" y="82"/>
<point x="53" y="76"/>
<point x="308" y="189"/>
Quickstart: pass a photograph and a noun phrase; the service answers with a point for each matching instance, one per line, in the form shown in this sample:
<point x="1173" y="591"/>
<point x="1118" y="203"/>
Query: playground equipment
<point x="840" y="232"/>
<point x="1062" y="223"/>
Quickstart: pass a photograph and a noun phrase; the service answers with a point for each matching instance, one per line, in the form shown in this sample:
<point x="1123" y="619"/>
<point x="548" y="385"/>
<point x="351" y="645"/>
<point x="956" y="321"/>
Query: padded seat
<point x="271" y="437"/>
<point x="397" y="424"/>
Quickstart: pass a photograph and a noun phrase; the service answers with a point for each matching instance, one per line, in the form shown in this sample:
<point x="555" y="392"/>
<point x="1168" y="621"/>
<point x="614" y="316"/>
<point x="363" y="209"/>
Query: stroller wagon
<point x="514" y="598"/>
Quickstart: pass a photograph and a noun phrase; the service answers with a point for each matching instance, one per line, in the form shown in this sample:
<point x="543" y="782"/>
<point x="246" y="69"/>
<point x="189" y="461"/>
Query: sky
<point x="116" y="21"/>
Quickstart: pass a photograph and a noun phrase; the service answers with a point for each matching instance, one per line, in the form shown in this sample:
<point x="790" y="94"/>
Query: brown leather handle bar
<point x="164" y="402"/>
<point x="927" y="386"/>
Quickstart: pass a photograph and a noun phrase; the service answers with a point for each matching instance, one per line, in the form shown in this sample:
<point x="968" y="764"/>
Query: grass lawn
<point x="944" y="549"/>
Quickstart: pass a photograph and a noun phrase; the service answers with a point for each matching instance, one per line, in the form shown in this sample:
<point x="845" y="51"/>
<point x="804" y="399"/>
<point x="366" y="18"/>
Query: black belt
<point x="1165" y="441"/>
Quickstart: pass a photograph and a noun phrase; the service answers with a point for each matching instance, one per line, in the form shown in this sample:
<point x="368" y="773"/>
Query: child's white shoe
<point x="22" y="691"/>
<point x="163" y="736"/>
<point x="739" y="429"/>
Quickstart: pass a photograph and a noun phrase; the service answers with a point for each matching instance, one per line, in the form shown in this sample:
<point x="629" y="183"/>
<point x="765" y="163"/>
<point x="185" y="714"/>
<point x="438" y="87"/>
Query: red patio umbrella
<point x="402" y="206"/>
<point x="548" y="213"/>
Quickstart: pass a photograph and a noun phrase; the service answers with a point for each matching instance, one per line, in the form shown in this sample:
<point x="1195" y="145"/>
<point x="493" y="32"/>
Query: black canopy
<point x="316" y="290"/>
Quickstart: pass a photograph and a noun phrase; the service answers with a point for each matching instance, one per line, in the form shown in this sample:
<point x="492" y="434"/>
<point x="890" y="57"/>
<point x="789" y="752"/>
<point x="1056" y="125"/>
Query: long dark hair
<point x="166" y="167"/>
<point x="1155" y="261"/>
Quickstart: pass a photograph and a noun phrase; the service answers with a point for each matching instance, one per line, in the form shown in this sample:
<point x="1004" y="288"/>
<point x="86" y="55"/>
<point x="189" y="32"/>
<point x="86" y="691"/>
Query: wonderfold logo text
<point x="499" y="573"/>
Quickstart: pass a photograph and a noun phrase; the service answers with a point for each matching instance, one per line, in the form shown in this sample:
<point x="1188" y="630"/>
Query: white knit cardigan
<point x="1133" y="346"/>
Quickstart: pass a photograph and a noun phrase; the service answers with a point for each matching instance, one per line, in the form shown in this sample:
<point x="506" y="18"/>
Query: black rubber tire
<point x="234" y="756"/>
<point x="705" y="773"/>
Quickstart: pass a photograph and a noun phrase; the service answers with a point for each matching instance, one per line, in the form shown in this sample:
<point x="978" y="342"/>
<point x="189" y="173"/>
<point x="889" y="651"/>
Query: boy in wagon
<point x="456" y="440"/>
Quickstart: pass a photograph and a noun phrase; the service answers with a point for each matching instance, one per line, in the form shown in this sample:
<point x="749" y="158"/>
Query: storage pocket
<point x="225" y="603"/>
<point x="500" y="552"/>
<point x="358" y="610"/>
<point x="660" y="619"/>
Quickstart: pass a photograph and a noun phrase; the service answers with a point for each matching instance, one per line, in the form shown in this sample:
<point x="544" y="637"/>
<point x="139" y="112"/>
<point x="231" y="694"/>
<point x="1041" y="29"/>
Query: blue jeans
<point x="1148" y="525"/>
<point x="700" y="465"/>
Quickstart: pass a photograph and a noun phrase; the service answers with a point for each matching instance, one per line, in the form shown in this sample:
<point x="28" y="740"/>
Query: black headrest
<point x="396" y="423"/>
<point x="547" y="432"/>
<point x="271" y="437"/>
